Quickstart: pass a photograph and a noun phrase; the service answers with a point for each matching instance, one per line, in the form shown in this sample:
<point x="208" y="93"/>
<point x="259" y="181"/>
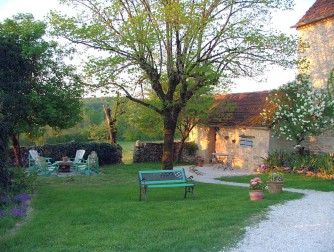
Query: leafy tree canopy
<point x="175" y="48"/>
<point x="38" y="87"/>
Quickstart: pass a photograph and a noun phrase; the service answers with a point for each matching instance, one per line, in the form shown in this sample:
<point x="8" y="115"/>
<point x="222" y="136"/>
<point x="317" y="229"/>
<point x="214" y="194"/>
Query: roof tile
<point x="320" y="10"/>
<point x="246" y="109"/>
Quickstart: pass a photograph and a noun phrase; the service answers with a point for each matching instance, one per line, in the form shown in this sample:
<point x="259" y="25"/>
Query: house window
<point x="246" y="142"/>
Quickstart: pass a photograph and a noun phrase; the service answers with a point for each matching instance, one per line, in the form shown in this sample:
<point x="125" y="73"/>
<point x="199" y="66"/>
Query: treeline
<point x="133" y="123"/>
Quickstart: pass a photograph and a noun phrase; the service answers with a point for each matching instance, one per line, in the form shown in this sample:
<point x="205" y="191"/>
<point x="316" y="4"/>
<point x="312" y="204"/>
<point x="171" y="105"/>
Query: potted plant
<point x="200" y="161"/>
<point x="275" y="182"/>
<point x="256" y="188"/>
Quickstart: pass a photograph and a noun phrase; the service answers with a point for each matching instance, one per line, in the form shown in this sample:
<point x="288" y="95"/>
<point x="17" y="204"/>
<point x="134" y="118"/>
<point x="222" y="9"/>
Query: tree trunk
<point x="17" y="149"/>
<point x="4" y="174"/>
<point x="111" y="124"/>
<point x="170" y="120"/>
<point x="179" y="154"/>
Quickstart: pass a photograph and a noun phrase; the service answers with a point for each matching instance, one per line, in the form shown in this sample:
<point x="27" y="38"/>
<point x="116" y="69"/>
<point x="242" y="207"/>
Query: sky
<point x="282" y="21"/>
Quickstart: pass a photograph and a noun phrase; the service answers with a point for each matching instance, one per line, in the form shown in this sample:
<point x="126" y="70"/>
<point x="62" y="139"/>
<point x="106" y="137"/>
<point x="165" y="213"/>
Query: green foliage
<point x="40" y="89"/>
<point x="277" y="159"/>
<point x="171" y="51"/>
<point x="191" y="147"/>
<point x="275" y="176"/>
<point x="76" y="137"/>
<point x="257" y="184"/>
<point x="323" y="163"/>
<point x="142" y="123"/>
<point x="21" y="180"/>
<point x="99" y="133"/>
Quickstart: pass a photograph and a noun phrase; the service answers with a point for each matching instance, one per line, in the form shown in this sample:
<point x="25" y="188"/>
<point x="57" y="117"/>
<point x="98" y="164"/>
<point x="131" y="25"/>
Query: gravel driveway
<point x="305" y="225"/>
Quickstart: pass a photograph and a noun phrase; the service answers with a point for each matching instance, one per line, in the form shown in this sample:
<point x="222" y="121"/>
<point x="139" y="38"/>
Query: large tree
<point x="38" y="88"/>
<point x="174" y="47"/>
<point x="14" y="70"/>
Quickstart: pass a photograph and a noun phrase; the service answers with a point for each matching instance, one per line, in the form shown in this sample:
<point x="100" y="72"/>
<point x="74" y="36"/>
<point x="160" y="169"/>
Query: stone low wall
<point x="152" y="152"/>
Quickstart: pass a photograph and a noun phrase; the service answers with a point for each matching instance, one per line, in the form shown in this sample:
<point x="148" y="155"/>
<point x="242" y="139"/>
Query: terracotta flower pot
<point x="275" y="186"/>
<point x="200" y="164"/>
<point x="256" y="195"/>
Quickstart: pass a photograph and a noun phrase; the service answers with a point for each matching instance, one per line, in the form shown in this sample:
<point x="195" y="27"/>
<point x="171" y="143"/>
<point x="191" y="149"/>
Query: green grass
<point x="127" y="151"/>
<point x="102" y="213"/>
<point x="291" y="180"/>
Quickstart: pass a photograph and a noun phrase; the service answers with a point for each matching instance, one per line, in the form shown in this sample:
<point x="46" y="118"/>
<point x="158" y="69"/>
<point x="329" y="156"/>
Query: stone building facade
<point x="316" y="35"/>
<point x="240" y="134"/>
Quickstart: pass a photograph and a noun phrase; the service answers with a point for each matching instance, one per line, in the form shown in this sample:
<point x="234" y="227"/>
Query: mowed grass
<point x="291" y="180"/>
<point x="103" y="213"/>
<point x="127" y="151"/>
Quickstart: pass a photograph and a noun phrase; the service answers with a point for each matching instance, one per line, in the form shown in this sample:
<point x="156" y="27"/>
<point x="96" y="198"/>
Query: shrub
<point x="323" y="163"/>
<point x="191" y="147"/>
<point x="21" y="181"/>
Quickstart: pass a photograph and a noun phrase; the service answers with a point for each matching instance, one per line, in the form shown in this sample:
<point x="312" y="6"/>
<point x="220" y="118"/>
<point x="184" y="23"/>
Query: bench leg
<point x="189" y="189"/>
<point x="142" y="190"/>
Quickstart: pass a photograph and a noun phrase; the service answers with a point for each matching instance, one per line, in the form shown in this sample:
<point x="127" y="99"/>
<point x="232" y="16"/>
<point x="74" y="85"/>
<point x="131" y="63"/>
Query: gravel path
<point x="304" y="225"/>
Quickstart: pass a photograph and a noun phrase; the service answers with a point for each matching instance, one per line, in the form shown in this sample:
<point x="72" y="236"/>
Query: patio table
<point x="221" y="163"/>
<point x="64" y="166"/>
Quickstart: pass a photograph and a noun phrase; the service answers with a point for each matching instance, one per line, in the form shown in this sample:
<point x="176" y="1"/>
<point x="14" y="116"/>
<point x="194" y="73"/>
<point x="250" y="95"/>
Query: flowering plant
<point x="298" y="110"/>
<point x="256" y="184"/>
<point x="199" y="159"/>
<point x="275" y="176"/>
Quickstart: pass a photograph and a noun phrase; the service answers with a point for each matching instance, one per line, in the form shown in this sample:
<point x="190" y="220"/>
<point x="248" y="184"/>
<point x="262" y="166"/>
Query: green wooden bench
<point x="163" y="179"/>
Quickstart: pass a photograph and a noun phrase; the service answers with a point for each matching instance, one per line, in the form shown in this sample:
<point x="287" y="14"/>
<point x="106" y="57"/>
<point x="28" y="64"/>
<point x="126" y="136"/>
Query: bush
<point x="191" y="147"/>
<point x="322" y="163"/>
<point x="21" y="181"/>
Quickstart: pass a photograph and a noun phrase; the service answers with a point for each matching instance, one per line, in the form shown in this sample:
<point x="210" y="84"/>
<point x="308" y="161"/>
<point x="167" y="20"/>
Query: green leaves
<point x="46" y="89"/>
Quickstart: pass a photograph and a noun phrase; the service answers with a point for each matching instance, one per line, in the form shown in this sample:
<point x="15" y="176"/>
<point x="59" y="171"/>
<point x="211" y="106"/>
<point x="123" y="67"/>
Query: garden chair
<point x="44" y="168"/>
<point x="32" y="160"/>
<point x="78" y="159"/>
<point x="90" y="165"/>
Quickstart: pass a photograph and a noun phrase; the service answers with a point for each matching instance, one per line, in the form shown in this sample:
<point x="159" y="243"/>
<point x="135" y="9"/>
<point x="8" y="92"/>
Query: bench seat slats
<point x="163" y="182"/>
<point x="163" y="179"/>
<point x="170" y="185"/>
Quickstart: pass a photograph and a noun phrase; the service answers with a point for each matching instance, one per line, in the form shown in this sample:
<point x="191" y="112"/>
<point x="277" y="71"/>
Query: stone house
<point x="240" y="133"/>
<point x="316" y="31"/>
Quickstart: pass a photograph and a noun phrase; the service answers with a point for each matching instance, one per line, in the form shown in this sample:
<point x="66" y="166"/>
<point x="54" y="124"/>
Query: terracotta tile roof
<point x="320" y="10"/>
<point x="246" y="109"/>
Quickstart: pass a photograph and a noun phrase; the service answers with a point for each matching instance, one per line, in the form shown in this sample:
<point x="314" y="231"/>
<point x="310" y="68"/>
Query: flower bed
<point x="15" y="207"/>
<point x="310" y="164"/>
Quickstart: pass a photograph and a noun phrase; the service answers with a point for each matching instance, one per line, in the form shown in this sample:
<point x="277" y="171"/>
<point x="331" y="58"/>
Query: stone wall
<point x="230" y="140"/>
<point x="319" y="51"/>
<point x="152" y="152"/>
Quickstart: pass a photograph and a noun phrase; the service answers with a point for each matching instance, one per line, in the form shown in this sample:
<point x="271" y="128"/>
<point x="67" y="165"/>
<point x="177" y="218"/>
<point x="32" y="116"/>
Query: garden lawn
<point x="290" y="181"/>
<point x="102" y="213"/>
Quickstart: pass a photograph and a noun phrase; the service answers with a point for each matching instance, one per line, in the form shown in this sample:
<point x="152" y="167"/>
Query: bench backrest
<point x="162" y="176"/>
